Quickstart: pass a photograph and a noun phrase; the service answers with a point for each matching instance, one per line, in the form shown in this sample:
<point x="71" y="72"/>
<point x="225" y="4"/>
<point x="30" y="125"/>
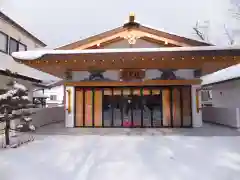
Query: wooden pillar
<point x="79" y="108"/>
<point x="176" y="108"/>
<point x="98" y="108"/>
<point x="166" y="107"/>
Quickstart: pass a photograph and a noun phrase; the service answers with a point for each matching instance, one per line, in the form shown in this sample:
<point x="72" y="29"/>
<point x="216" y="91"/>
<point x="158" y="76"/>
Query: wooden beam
<point x="160" y="43"/>
<point x="58" y="67"/>
<point x="123" y="83"/>
<point x="125" y="34"/>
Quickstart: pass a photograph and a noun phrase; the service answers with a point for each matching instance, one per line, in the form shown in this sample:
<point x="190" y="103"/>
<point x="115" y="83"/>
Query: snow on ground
<point x="112" y="156"/>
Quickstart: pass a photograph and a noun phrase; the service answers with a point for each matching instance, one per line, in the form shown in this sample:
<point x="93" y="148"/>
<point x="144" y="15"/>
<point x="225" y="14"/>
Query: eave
<point x="58" y="62"/>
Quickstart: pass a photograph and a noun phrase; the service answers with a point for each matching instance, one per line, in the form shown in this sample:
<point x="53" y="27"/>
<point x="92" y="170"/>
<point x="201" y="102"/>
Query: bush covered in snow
<point x="14" y="104"/>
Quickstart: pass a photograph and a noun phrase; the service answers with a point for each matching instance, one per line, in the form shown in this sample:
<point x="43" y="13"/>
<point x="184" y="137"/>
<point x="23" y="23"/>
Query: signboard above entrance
<point x="131" y="74"/>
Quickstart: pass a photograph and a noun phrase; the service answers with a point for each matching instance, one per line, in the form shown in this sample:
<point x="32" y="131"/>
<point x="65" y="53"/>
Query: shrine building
<point x="132" y="76"/>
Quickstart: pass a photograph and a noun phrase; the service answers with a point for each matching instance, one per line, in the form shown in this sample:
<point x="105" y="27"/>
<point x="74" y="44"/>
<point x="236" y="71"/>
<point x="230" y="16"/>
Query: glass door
<point x="156" y="107"/>
<point x="146" y="108"/>
<point x="116" y="105"/>
<point x="127" y="107"/>
<point x="136" y="107"/>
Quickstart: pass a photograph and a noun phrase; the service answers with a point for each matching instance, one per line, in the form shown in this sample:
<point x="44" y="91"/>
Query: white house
<point x="14" y="37"/>
<point x="223" y="91"/>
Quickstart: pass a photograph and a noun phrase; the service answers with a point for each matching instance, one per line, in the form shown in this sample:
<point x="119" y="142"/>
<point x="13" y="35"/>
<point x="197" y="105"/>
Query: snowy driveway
<point x="123" y="157"/>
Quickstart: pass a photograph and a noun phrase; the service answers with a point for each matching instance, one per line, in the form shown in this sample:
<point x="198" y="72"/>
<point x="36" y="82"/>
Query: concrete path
<point x="111" y="154"/>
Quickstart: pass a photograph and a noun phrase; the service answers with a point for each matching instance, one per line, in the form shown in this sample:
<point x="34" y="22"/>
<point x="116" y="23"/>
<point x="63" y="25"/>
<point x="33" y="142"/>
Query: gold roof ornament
<point x="131" y="17"/>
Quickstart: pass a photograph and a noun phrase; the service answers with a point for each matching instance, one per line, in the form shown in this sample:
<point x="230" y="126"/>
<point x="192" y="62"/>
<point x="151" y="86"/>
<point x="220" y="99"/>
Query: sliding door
<point x="166" y="106"/>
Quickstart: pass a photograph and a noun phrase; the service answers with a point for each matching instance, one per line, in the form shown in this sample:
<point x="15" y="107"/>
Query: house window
<point x="53" y="97"/>
<point x="3" y="42"/>
<point x="13" y="46"/>
<point x="197" y="73"/>
<point x="22" y="47"/>
<point x="206" y="95"/>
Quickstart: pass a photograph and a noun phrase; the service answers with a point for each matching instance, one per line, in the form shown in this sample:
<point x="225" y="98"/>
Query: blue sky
<point x="58" y="22"/>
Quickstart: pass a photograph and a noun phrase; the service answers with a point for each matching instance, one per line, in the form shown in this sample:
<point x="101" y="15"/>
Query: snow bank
<point x="33" y="55"/>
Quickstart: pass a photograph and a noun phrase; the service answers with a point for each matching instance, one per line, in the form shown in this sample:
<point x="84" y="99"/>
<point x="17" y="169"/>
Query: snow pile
<point x="9" y="94"/>
<point x="25" y="97"/>
<point x="19" y="126"/>
<point x="27" y="119"/>
<point x="19" y="86"/>
<point x="29" y="54"/>
<point x="32" y="127"/>
<point x="15" y="98"/>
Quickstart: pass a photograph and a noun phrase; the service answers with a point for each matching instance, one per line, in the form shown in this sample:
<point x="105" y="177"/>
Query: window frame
<point x="18" y="43"/>
<point x="7" y="43"/>
<point x="53" y="99"/>
<point x="9" y="52"/>
<point x="24" y="45"/>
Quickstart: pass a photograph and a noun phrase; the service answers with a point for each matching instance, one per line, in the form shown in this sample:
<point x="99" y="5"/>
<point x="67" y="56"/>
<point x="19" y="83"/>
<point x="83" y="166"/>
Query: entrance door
<point x="142" y="107"/>
<point x="133" y="107"/>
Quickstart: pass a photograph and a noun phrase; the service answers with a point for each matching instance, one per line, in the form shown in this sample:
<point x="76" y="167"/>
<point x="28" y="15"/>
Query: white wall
<point x="46" y="116"/>
<point x="226" y="95"/>
<point x="7" y="61"/>
<point x="149" y="74"/>
<point x="13" y="32"/>
<point x="69" y="117"/>
<point x="224" y="116"/>
<point x="196" y="116"/>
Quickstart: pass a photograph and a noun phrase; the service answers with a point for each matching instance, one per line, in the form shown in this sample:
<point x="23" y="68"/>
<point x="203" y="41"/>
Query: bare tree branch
<point x="198" y="32"/>
<point x="230" y="38"/>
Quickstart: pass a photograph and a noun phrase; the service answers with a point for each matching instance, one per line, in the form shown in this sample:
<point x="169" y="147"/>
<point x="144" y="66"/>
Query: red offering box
<point x="127" y="124"/>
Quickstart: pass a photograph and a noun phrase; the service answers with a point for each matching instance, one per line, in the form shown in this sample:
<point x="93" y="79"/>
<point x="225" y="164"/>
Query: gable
<point x="127" y="31"/>
<point x="140" y="43"/>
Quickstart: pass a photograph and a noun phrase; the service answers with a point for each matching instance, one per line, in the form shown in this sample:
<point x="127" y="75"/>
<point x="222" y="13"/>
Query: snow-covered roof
<point x="9" y="63"/>
<point x="33" y="55"/>
<point x="56" y="83"/>
<point x="229" y="73"/>
<point x="39" y="94"/>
